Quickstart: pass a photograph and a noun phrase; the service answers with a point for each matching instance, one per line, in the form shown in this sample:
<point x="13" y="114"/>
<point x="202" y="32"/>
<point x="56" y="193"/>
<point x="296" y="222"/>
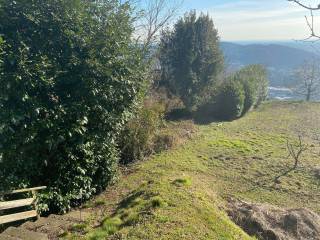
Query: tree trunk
<point x="308" y="97"/>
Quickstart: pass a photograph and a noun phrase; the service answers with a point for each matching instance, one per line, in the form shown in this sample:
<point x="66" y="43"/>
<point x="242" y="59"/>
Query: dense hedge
<point x="69" y="80"/>
<point x="230" y="100"/>
<point x="240" y="92"/>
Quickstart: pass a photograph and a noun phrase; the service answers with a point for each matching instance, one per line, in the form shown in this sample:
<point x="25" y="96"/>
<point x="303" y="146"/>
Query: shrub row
<point x="239" y="93"/>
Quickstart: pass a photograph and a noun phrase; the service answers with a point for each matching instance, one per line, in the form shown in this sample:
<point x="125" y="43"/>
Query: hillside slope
<point x="270" y="55"/>
<point x="182" y="193"/>
<point x="281" y="61"/>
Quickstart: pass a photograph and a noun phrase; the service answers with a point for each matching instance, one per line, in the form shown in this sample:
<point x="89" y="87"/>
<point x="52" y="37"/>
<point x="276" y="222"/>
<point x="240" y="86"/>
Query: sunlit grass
<point x="181" y="193"/>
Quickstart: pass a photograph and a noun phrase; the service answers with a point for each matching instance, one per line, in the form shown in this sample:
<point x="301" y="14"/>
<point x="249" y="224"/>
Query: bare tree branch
<point x="155" y="16"/>
<point x="308" y="79"/>
<point x="314" y="37"/>
<point x="305" y="6"/>
<point x="295" y="151"/>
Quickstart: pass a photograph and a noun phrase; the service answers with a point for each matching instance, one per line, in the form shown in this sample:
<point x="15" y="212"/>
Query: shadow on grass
<point x="199" y="117"/>
<point x="179" y="114"/>
<point x="130" y="200"/>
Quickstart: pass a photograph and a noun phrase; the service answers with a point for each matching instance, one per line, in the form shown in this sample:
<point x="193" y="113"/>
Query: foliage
<point x="249" y="94"/>
<point x="70" y="78"/>
<point x="1" y="51"/>
<point x="255" y="84"/>
<point x="230" y="99"/>
<point x="243" y="90"/>
<point x="140" y="133"/>
<point x="190" y="59"/>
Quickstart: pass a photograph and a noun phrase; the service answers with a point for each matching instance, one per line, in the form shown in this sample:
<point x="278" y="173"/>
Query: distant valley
<point x="281" y="59"/>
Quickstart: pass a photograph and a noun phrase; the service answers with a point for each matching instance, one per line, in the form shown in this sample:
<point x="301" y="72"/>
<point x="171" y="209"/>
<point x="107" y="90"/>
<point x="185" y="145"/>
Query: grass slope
<point x="180" y="194"/>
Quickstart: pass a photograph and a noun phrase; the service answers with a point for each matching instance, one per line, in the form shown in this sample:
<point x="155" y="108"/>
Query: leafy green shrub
<point x="249" y="95"/>
<point x="255" y="84"/>
<point x="157" y="202"/>
<point x="229" y="102"/>
<point x="182" y="182"/>
<point x="111" y="225"/>
<point x="242" y="91"/>
<point x="79" y="227"/>
<point x="137" y="139"/>
<point x="69" y="80"/>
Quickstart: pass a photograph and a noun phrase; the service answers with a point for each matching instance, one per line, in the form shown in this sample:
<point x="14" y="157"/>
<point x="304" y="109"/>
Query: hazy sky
<point x="255" y="19"/>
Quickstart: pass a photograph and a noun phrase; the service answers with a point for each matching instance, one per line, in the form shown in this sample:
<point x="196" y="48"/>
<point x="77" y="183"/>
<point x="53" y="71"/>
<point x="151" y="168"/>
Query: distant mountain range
<point x="281" y="59"/>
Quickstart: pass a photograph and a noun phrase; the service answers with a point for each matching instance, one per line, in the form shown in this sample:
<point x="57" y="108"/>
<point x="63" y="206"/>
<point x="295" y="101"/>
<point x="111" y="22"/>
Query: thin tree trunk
<point x="308" y="95"/>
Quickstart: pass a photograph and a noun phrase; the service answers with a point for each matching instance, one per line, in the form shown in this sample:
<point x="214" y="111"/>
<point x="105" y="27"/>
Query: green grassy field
<point x="182" y="193"/>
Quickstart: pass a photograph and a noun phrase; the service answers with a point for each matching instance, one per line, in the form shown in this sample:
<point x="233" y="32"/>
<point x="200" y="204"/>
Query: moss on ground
<point x="181" y="193"/>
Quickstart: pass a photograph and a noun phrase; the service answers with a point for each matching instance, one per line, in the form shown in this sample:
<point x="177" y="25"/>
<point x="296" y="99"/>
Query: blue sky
<point x="245" y="20"/>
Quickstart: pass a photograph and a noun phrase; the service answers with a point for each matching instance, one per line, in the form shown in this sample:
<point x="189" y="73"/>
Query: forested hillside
<point x="280" y="60"/>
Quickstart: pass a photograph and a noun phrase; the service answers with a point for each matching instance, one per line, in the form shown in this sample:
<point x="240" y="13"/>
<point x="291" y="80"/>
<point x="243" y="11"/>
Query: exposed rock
<point x="271" y="223"/>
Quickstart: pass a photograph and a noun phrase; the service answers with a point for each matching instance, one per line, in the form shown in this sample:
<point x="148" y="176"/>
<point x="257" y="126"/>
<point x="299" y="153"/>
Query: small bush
<point x="99" y="203"/>
<point x="132" y="218"/>
<point x="242" y="91"/>
<point x="157" y="202"/>
<point x="98" y="235"/>
<point x="111" y="225"/>
<point x="255" y="85"/>
<point x="137" y="139"/>
<point x="230" y="100"/>
<point x="317" y="173"/>
<point x="80" y="227"/>
<point x="182" y="182"/>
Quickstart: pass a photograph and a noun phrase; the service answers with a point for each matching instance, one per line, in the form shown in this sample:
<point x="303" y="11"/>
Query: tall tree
<point x="191" y="59"/>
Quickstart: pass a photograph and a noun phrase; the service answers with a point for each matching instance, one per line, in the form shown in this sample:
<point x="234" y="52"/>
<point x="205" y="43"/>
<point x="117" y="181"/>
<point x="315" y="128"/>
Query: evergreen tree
<point x="191" y="59"/>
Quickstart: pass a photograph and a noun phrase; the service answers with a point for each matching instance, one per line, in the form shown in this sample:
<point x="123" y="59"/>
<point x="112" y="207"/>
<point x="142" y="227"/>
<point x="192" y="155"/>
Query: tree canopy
<point x="191" y="59"/>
